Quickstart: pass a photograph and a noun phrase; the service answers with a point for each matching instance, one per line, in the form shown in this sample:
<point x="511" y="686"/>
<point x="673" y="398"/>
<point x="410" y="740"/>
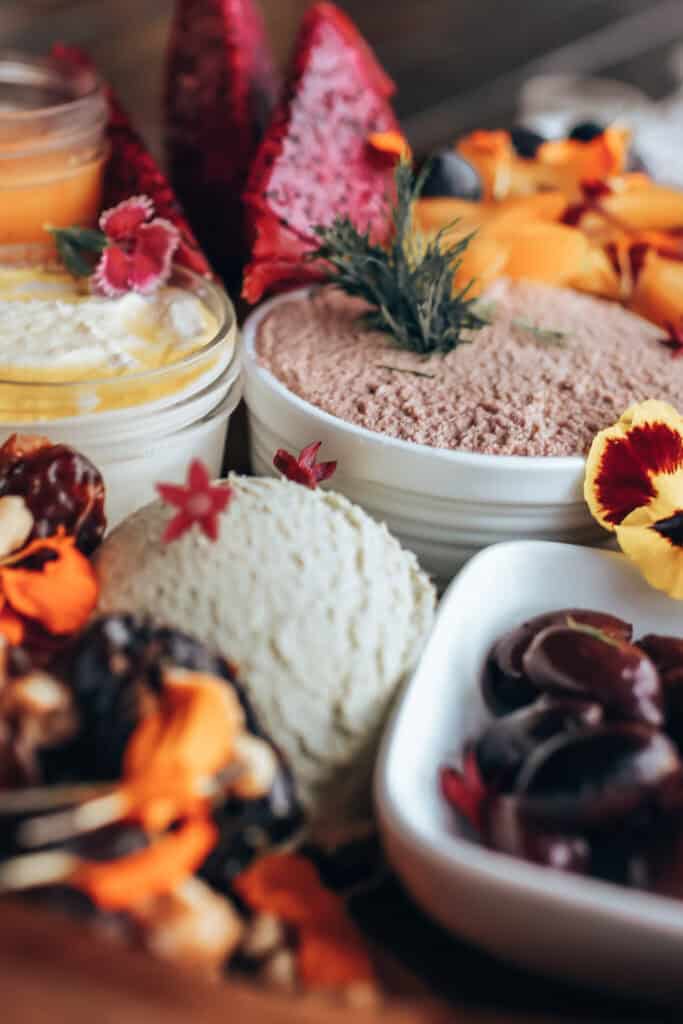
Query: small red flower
<point x="139" y="249"/>
<point x="464" y="790"/>
<point x="197" y="502"/>
<point x="304" y="469"/>
<point x="675" y="340"/>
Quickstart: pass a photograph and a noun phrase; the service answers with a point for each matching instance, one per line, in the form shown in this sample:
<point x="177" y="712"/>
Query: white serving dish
<point x="574" y="928"/>
<point x="443" y="505"/>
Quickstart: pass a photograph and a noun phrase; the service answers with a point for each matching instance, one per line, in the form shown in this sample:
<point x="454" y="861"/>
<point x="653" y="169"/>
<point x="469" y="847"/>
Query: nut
<point x="259" y="767"/>
<point x="279" y="971"/>
<point x="193" y="925"/>
<point x="263" y="935"/>
<point x="16" y="523"/>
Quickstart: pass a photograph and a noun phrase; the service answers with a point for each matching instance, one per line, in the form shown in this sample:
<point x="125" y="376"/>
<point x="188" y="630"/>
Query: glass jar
<point x="141" y="428"/>
<point x="53" y="150"/>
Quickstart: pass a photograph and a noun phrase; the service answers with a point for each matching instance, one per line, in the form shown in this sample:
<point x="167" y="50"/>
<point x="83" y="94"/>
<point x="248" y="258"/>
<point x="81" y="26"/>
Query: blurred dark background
<point x="458" y="63"/>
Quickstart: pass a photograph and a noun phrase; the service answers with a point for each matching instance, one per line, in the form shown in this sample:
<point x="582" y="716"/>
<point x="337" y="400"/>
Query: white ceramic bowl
<point x="564" y="925"/>
<point x="443" y="505"/>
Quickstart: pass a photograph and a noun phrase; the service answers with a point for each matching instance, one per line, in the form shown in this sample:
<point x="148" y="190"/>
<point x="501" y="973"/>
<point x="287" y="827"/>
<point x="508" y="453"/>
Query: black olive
<point x="505" y="830"/>
<point x="505" y="687"/>
<point x="619" y="675"/>
<point x="586" y="131"/>
<point x="450" y="175"/>
<point x="594" y="779"/>
<point x="526" y="141"/>
<point x="505" y="744"/>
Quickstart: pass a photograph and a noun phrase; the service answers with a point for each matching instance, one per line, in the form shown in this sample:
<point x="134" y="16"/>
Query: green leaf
<point x="409" y="283"/>
<point x="77" y="248"/>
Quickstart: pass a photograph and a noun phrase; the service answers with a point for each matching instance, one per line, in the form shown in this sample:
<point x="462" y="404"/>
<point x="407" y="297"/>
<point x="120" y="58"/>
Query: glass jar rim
<point x="29" y="69"/>
<point x="227" y="325"/>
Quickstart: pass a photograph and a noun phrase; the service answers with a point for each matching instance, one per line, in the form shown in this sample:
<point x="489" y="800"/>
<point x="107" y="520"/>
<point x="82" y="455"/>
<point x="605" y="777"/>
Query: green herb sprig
<point x="409" y="283"/>
<point x="547" y="335"/>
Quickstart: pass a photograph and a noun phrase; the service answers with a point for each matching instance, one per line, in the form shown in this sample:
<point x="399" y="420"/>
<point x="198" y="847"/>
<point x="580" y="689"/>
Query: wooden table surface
<point x="455" y="74"/>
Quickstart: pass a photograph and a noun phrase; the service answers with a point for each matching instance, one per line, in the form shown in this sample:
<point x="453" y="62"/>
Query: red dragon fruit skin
<point x="221" y="88"/>
<point x="314" y="162"/>
<point x="132" y="170"/>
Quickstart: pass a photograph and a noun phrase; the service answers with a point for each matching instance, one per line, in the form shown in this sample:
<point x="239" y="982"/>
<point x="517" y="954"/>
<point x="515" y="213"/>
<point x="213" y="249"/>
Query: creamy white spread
<point x="52" y="329"/>
<point x="317" y="605"/>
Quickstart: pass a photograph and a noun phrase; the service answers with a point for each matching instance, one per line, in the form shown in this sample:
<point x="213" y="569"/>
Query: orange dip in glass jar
<point x="53" y="150"/>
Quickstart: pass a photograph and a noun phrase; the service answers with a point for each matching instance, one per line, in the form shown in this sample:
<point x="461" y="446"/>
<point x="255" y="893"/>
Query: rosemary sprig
<point x="405" y="369"/>
<point x="408" y="284"/>
<point x="545" y="334"/>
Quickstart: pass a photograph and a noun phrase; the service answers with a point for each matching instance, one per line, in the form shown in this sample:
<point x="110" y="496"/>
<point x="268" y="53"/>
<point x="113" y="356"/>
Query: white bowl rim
<point x="495" y="867"/>
<point x="536" y="463"/>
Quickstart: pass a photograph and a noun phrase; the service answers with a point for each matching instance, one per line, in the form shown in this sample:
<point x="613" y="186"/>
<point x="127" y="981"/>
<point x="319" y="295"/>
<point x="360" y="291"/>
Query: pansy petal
<point x="626" y="459"/>
<point x="112" y="273"/>
<point x="122" y="221"/>
<point x="659" y="560"/>
<point x="152" y="255"/>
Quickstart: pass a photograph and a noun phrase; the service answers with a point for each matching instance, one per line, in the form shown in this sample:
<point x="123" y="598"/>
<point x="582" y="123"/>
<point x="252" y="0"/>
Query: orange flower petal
<point x="633" y="463"/>
<point x="11" y="627"/>
<point x="391" y="143"/>
<point x="61" y="595"/>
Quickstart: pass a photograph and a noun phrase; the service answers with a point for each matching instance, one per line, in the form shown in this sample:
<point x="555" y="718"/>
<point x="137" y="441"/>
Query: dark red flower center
<point x="624" y="481"/>
<point x="671" y="529"/>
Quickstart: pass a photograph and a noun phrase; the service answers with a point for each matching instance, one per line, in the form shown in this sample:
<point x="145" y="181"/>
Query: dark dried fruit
<point x="505" y="686"/>
<point x="249" y="828"/>
<point x="450" y="175"/>
<point x="504" y="746"/>
<point x="61" y="488"/>
<point x="116" y="665"/>
<point x="594" y="779"/>
<point x="581" y="661"/>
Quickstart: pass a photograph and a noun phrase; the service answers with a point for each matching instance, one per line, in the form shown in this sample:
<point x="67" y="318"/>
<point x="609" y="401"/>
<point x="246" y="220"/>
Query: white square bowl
<point x="571" y="927"/>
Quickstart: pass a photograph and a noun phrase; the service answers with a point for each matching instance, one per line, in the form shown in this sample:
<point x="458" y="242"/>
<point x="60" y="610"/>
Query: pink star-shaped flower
<point x="304" y="469"/>
<point x="197" y="502"/>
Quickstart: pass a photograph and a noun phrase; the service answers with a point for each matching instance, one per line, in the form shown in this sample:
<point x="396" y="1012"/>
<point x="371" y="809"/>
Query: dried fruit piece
<point x="61" y="488"/>
<point x="315" y="163"/>
<point x="221" y="87"/>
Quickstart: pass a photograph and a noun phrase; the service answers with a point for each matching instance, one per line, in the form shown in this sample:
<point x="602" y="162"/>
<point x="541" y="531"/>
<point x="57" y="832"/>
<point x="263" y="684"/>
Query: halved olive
<point x="590" y="663"/>
<point x="450" y="175"/>
<point x="505" y="830"/>
<point x="505" y="686"/>
<point x="592" y="780"/>
<point x="505" y="744"/>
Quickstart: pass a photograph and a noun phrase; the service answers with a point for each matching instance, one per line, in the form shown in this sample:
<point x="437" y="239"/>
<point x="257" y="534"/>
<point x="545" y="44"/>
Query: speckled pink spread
<point x="505" y="393"/>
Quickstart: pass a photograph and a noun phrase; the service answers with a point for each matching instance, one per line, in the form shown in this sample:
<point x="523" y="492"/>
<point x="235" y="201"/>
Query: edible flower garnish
<point x="409" y="284"/>
<point x="198" y="501"/>
<point x="675" y="340"/>
<point x="303" y="469"/>
<point x="48" y="582"/>
<point x="331" y="952"/>
<point x="634" y="487"/>
<point x="133" y="248"/>
<point x="464" y="790"/>
<point x="391" y="144"/>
